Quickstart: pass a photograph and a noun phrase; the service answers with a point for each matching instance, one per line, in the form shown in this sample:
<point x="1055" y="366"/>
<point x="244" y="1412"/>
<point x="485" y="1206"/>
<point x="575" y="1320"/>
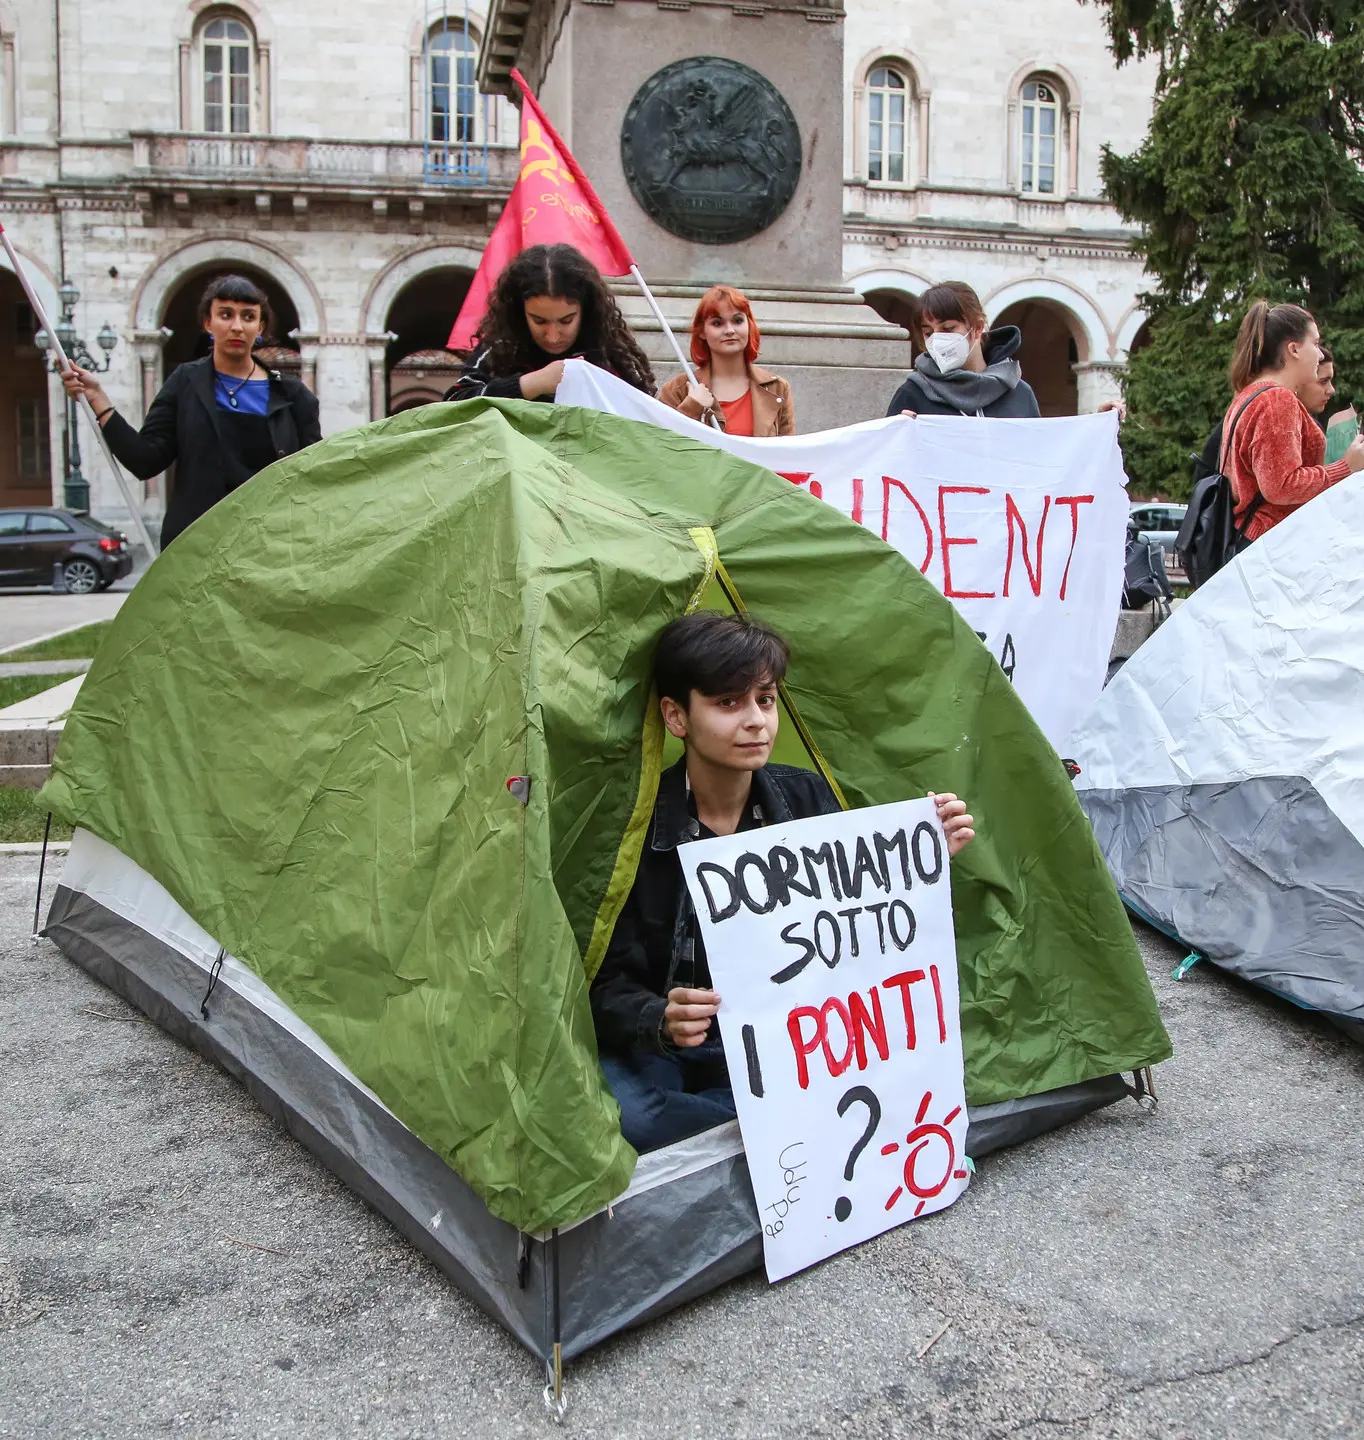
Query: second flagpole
<point x="667" y="330"/>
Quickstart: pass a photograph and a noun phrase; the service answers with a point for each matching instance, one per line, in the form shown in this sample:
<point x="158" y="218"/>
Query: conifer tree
<point x="1248" y="184"/>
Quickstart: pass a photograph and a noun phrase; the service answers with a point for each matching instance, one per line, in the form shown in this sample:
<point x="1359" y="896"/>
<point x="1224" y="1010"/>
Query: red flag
<point x="551" y="203"/>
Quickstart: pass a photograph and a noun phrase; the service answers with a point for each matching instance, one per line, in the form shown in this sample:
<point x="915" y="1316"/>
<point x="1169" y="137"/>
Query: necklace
<point x="232" y="394"/>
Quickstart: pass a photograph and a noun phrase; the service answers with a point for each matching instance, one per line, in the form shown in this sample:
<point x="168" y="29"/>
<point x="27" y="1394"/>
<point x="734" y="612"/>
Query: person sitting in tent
<point x="652" y="1001"/>
<point x="739" y="396"/>
<point x="966" y="369"/>
<point x="550" y="304"/>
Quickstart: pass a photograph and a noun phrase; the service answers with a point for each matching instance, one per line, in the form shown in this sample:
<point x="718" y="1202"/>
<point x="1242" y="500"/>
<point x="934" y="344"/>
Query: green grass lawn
<point x="14" y="688"/>
<point x="74" y="645"/>
<point x="22" y="818"/>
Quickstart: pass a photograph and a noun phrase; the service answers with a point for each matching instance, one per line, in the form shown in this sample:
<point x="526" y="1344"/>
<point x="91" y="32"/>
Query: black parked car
<point x="91" y="554"/>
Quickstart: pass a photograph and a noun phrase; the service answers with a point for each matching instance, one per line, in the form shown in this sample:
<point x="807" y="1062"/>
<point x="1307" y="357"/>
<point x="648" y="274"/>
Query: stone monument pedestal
<point x="713" y="133"/>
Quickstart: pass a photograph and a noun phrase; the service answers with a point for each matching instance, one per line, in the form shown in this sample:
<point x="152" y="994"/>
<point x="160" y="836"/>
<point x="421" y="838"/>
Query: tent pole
<point x="42" y="865"/>
<point x="554" y="1384"/>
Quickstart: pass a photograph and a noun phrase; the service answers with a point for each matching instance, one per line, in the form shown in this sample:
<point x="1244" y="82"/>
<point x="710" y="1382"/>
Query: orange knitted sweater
<point x="1276" y="452"/>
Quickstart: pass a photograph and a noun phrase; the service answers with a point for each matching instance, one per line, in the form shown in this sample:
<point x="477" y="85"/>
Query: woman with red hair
<point x="741" y="397"/>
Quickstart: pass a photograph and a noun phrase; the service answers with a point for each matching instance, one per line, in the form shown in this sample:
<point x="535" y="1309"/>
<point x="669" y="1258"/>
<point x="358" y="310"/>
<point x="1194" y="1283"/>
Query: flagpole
<point x="668" y="331"/>
<point x="64" y="364"/>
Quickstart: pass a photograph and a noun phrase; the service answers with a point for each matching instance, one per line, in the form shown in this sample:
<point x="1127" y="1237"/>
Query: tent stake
<point x="42" y="865"/>
<point x="554" y="1386"/>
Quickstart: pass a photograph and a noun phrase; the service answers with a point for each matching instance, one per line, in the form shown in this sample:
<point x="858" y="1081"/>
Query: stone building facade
<point x="992" y="175"/>
<point x="343" y="157"/>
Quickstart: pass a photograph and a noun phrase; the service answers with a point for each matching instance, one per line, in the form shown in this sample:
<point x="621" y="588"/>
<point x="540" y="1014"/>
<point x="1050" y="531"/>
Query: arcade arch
<point x="225" y="254"/>
<point x="1053" y="344"/>
<point x="418" y="367"/>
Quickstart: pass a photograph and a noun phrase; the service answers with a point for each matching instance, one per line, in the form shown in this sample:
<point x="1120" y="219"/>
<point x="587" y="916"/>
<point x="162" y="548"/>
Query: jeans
<point x="656" y="1106"/>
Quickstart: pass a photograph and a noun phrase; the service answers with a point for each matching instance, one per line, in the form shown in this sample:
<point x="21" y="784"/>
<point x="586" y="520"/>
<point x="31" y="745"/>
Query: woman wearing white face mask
<point x="965" y="369"/>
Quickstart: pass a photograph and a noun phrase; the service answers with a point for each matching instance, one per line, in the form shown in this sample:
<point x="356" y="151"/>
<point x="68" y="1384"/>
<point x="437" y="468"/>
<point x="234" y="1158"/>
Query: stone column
<point x="307" y="355"/>
<point x="376" y="353"/>
<point x="1095" y="382"/>
<point x="342" y="381"/>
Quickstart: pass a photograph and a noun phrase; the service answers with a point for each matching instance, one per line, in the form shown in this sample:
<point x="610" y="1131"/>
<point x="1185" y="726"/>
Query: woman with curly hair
<point x="549" y="305"/>
<point x="730" y="392"/>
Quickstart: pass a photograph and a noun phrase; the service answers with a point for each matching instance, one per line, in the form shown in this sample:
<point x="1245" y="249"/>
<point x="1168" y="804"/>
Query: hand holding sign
<point x="688" y="1016"/>
<point x="831" y="941"/>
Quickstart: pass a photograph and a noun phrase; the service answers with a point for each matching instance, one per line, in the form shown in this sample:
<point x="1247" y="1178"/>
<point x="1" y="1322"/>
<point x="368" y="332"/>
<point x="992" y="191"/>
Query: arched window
<point x="227" y="55"/>
<point x="888" y="95"/>
<point x="1039" y="138"/>
<point x="452" y="86"/>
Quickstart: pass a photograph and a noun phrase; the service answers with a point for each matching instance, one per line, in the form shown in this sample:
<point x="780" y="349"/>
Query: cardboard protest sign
<point x="1020" y="523"/>
<point x="830" y="943"/>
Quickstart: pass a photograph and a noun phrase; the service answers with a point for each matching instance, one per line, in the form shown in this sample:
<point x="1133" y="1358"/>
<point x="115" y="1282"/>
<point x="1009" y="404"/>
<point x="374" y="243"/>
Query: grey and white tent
<point x="1223" y="767"/>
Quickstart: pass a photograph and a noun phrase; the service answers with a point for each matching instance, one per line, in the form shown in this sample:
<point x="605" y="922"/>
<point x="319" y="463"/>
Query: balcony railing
<point x="285" y="158"/>
<point x="978" y="205"/>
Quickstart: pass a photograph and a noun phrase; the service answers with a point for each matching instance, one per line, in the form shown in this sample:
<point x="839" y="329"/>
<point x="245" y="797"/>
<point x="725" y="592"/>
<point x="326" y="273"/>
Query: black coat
<point x="479" y="379"/>
<point x="182" y="429"/>
<point x="654" y="945"/>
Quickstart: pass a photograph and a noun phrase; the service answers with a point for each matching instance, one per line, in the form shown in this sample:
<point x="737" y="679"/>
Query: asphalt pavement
<point x="171" y="1263"/>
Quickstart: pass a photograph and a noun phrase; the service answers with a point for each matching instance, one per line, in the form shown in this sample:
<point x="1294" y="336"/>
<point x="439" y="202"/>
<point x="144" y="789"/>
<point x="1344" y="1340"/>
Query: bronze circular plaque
<point x="711" y="150"/>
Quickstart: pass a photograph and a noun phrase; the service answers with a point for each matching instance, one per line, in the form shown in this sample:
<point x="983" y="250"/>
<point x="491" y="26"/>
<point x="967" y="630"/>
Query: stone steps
<point x="31" y="729"/>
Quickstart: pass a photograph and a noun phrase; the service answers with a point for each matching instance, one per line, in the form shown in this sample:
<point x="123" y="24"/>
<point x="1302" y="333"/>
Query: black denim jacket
<point x="654" y="945"/>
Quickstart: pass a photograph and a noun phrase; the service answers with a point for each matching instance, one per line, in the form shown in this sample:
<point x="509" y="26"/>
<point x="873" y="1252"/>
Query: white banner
<point x="830" y="943"/>
<point x="1020" y="523"/>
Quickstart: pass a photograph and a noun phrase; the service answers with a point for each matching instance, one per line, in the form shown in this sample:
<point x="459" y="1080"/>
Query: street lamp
<point x="75" y="487"/>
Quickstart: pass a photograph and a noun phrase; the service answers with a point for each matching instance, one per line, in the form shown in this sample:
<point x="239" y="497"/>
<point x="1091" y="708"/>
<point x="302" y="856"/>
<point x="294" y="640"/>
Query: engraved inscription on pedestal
<point x="711" y="150"/>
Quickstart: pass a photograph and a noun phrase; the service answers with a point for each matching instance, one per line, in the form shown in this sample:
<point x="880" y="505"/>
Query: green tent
<point x="305" y="719"/>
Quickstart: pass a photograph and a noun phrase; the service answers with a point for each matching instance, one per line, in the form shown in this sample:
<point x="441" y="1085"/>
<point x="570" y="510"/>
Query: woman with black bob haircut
<point x="218" y="420"/>
<point x="966" y="369"/>
<point x="549" y="305"/>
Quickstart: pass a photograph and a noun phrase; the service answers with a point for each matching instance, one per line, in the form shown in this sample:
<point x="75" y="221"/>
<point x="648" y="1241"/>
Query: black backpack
<point x="1144" y="575"/>
<point x="1209" y="537"/>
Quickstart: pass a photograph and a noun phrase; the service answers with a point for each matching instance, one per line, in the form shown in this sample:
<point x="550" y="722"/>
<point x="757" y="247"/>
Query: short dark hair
<point x="952" y="300"/>
<point x="1326" y="357"/>
<point x="717" y="655"/>
<point x="240" y="291"/>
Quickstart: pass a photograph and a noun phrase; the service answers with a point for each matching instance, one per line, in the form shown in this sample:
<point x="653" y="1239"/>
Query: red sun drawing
<point x="918" y="1140"/>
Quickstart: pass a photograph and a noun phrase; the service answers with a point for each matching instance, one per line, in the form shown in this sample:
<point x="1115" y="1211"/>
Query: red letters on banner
<point x="1024" y="549"/>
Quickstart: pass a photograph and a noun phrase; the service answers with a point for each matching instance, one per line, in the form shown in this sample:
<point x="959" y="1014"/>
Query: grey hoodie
<point x="997" y="392"/>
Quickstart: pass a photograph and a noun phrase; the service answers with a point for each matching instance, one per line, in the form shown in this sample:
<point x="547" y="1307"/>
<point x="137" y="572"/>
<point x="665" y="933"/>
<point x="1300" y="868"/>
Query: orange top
<point x="1276" y="452"/>
<point x="739" y="414"/>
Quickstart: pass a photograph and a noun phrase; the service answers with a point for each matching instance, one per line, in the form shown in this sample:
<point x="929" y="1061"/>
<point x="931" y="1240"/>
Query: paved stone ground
<point x="1198" y="1272"/>
<point x="44" y="667"/>
<point x="27" y="615"/>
